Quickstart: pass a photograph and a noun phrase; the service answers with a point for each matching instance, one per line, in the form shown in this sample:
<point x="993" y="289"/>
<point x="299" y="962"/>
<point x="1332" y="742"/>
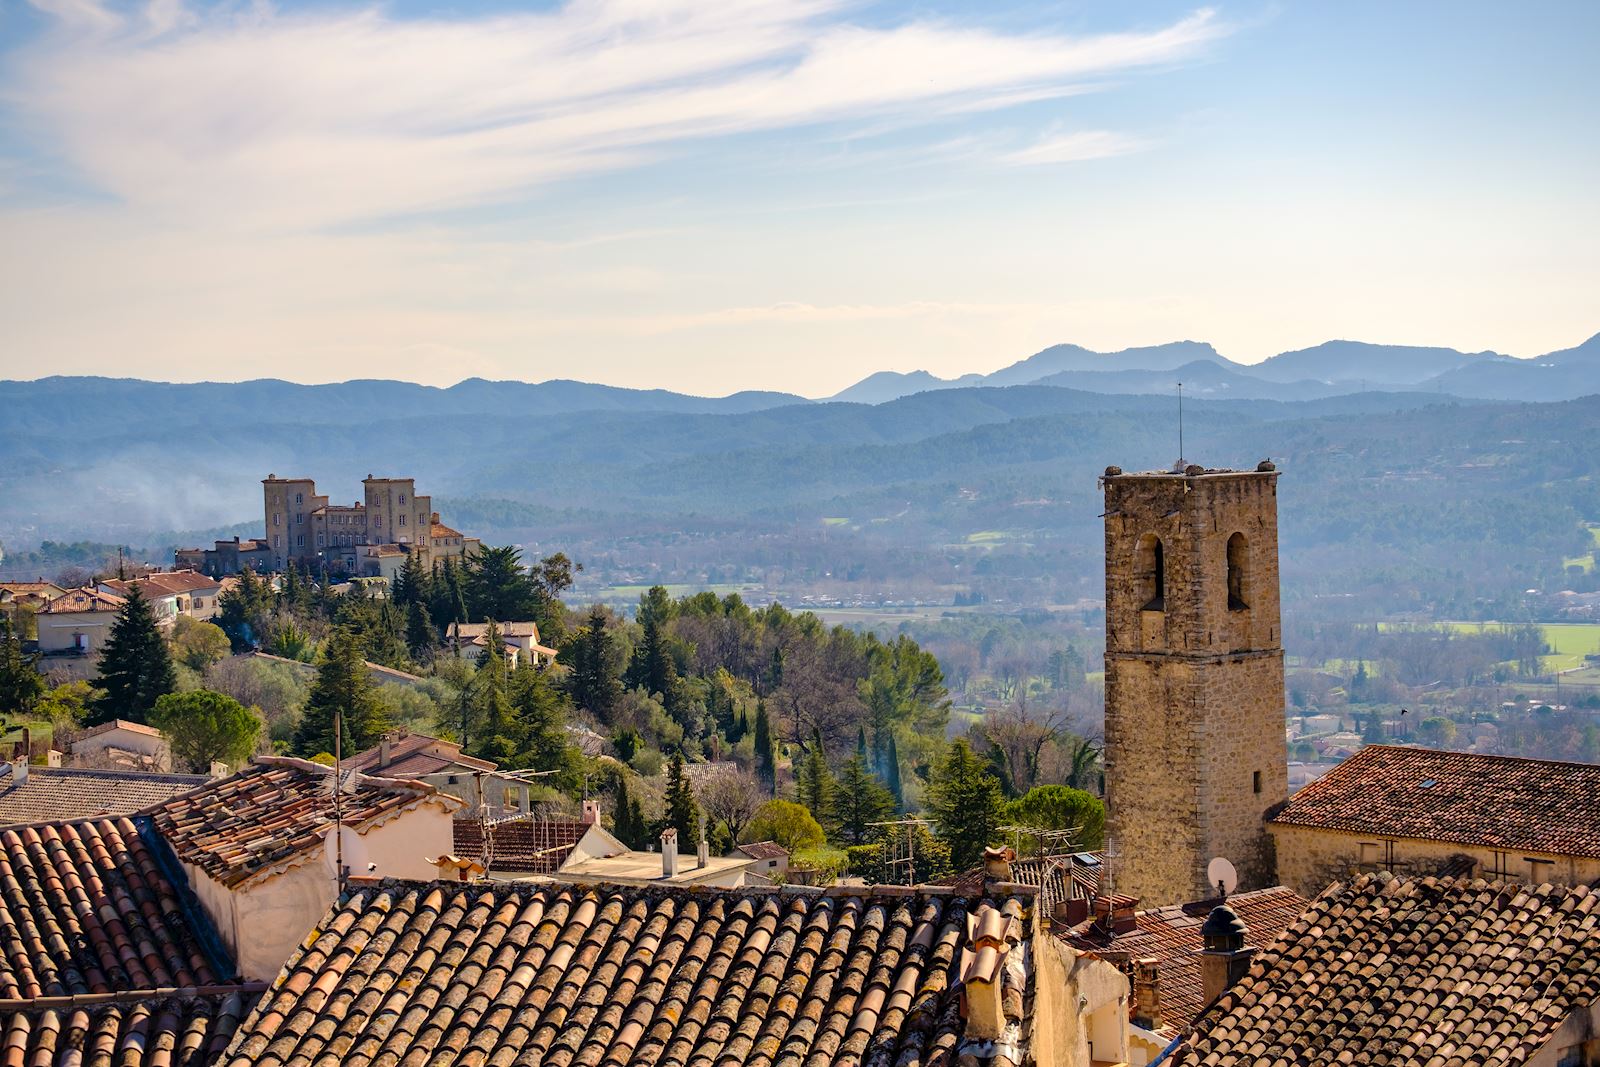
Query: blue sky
<point x="785" y="194"/>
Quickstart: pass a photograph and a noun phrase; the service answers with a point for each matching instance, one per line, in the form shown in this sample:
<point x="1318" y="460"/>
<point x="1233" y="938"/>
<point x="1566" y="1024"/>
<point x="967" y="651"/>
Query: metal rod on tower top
<point x="1180" y="424"/>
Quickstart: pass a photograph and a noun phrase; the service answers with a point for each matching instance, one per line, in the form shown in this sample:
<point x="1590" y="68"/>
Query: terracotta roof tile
<point x="527" y="846"/>
<point x="1387" y="971"/>
<point x="159" y="1031"/>
<point x="764" y="850"/>
<point x="273" y="813"/>
<point x="1171" y="937"/>
<point x="84" y="908"/>
<point x="409" y="757"/>
<point x="567" y="976"/>
<point x="1460" y="798"/>
<point x="56" y="793"/>
<point x="82" y="600"/>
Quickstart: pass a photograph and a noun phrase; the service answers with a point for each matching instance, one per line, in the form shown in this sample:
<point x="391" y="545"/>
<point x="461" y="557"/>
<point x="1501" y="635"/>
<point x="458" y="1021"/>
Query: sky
<point x="717" y="195"/>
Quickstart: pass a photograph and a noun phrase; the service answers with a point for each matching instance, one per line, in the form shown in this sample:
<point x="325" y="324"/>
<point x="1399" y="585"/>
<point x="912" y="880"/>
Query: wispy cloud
<point x="1075" y="147"/>
<point x="253" y="117"/>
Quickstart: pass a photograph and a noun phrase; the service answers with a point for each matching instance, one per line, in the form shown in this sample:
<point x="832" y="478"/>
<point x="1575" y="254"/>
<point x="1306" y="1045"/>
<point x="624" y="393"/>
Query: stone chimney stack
<point x="669" y="852"/>
<point x="591" y="813"/>
<point x="19" y="771"/>
<point x="1147" y="994"/>
<point x="385" y="756"/>
<point x="983" y="966"/>
<point x="1225" y="959"/>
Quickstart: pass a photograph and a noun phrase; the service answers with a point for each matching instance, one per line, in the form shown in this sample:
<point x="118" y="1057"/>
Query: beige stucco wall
<point x="127" y="741"/>
<point x="1080" y="1007"/>
<point x="56" y="629"/>
<point x="1195" y="752"/>
<point x="262" y="921"/>
<point x="1309" y="860"/>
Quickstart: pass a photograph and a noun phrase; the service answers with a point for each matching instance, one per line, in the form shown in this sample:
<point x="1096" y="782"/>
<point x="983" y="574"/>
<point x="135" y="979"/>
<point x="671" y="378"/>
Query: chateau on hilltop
<point x="1195" y="750"/>
<point x="372" y="536"/>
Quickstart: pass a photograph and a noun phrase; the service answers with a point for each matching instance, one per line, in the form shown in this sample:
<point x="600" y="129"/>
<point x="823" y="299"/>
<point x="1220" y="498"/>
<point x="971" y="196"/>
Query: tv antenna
<point x="1180" y="425"/>
<point x="1220" y="873"/>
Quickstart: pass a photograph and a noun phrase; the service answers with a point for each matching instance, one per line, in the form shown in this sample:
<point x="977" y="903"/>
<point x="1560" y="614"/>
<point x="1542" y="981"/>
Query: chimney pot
<point x="669" y="852"/>
<point x="591" y="812"/>
<point x="19" y="770"/>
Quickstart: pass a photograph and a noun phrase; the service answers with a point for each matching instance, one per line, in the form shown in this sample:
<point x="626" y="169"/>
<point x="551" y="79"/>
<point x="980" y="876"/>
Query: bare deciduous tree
<point x="731" y="797"/>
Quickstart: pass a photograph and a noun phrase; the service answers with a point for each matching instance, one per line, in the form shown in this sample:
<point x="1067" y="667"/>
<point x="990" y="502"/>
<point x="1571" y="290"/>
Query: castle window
<point x="402" y="520"/>
<point x="1255" y="781"/>
<point x="402" y="498"/>
<point x="298" y="499"/>
<point x="1150" y="571"/>
<point x="1238" y="566"/>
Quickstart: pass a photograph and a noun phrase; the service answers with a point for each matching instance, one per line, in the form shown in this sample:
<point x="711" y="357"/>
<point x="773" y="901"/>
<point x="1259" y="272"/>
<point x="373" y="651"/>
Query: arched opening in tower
<point x="1238" y="572"/>
<point x="1150" y="568"/>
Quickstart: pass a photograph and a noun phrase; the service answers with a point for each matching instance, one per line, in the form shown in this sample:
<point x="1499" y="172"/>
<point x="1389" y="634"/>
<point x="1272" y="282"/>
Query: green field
<point x="616" y="592"/>
<point x="1587" y="561"/>
<point x="1569" y="642"/>
<point x="986" y="537"/>
<point x="834" y="521"/>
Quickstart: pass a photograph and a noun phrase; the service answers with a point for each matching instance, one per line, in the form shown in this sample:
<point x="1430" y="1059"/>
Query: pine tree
<point x="861" y="743"/>
<point x="21" y="685"/>
<point x="541" y="719"/>
<point x="966" y="803"/>
<point x="859" y="801"/>
<point x="294" y="590"/>
<point x="683" y="813"/>
<point x="652" y="667"/>
<point x="243" y="611"/>
<point x="622" y="824"/>
<point x="342" y="687"/>
<point x="766" y="753"/>
<point x="135" y="666"/>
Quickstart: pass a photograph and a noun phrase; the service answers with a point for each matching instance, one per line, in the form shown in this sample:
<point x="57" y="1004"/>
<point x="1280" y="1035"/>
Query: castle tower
<point x="1195" y="752"/>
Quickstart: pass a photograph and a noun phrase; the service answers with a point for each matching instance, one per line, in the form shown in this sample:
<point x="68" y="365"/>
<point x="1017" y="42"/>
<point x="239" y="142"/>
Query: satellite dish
<point x="1220" y="873"/>
<point x="354" y="847"/>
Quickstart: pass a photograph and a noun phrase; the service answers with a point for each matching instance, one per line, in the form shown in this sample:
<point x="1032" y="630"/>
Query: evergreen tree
<point x="244" y="609"/>
<point x="683" y="813"/>
<point x="498" y="586"/>
<point x="622" y="825"/>
<point x="766" y="753"/>
<point x="421" y="638"/>
<point x="891" y="779"/>
<point x="859" y="801"/>
<point x="541" y="720"/>
<point x="861" y="743"/>
<point x="445" y="604"/>
<point x="411" y="585"/>
<point x="294" y="590"/>
<point x="966" y="804"/>
<point x="342" y="687"/>
<point x="496" y="739"/>
<point x="652" y="668"/>
<point x="813" y="783"/>
<point x="592" y="683"/>
<point x="135" y="666"/>
<point x="21" y="685"/>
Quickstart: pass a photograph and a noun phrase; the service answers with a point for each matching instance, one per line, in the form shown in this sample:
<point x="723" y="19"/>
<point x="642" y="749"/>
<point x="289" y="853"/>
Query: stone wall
<point x="1310" y="860"/>
<point x="1195" y="753"/>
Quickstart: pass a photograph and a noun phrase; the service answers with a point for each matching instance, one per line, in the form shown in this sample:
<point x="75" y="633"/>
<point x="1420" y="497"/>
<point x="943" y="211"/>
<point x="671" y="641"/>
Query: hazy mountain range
<point x="1433" y="485"/>
<point x="1333" y="368"/>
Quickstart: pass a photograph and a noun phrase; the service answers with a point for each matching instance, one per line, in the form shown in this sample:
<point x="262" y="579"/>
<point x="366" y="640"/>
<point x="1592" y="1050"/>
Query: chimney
<point x="703" y="853"/>
<point x="997" y="864"/>
<point x="1146" y="994"/>
<point x="383" y="751"/>
<point x="669" y="852"/>
<point x="591" y="813"/>
<point x="1225" y="959"/>
<point x="19" y="770"/>
<point x="982" y="974"/>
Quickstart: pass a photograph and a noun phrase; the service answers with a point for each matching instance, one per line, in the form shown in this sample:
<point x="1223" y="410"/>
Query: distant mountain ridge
<point x="1333" y="368"/>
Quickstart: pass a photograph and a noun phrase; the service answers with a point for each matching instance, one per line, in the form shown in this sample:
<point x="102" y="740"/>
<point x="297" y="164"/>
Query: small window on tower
<point x="1150" y="569"/>
<point x="1255" y="781"/>
<point x="1238" y="569"/>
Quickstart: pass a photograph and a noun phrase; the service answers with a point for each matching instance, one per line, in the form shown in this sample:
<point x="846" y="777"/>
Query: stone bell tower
<point x="1195" y="752"/>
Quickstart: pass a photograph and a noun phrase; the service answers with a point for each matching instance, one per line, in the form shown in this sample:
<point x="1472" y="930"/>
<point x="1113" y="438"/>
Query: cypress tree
<point x="966" y="802"/>
<point x="622" y="823"/>
<point x="135" y="666"/>
<point x="766" y="754"/>
<point x="859" y="801"/>
<point x="683" y="813"/>
<point x="892" y="778"/>
<point x="813" y="784"/>
<point x="421" y="637"/>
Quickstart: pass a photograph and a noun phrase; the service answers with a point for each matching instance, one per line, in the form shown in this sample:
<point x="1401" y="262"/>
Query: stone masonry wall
<point x="1310" y="860"/>
<point x="1195" y="753"/>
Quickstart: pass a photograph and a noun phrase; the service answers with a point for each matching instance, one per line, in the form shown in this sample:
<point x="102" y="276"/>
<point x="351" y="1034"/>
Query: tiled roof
<point x="177" y="1030"/>
<point x="475" y="630"/>
<point x="165" y="583"/>
<point x="84" y="908"/>
<point x="39" y="588"/>
<point x="583" y="976"/>
<point x="118" y="724"/>
<point x="1459" y="798"/>
<point x="1171" y="937"/>
<point x="82" y="600"/>
<point x="1049" y="875"/>
<point x="273" y="814"/>
<point x="53" y="793"/>
<point x="409" y="757"/>
<point x="1387" y="971"/>
<point x="530" y="846"/>
<point x="764" y="850"/>
<point x="439" y="529"/>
